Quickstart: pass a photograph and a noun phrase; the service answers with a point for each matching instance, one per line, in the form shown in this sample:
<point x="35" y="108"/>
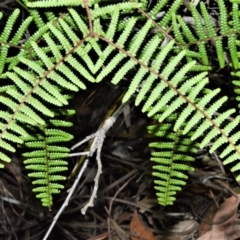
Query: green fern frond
<point x="31" y="85"/>
<point x="171" y="152"/>
<point x="180" y="90"/>
<point x="208" y="32"/>
<point x="116" y="42"/>
<point x="47" y="162"/>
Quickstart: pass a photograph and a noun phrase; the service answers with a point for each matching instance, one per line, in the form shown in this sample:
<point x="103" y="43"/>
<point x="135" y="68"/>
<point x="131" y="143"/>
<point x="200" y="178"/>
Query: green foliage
<point x="167" y="78"/>
<point x="47" y="159"/>
<point x="170" y="159"/>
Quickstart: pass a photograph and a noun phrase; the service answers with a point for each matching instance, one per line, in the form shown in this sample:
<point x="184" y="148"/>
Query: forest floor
<point x="126" y="206"/>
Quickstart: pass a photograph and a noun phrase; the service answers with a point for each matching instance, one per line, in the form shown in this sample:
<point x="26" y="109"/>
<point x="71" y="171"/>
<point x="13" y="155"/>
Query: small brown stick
<point x="220" y="164"/>
<point x="118" y="191"/>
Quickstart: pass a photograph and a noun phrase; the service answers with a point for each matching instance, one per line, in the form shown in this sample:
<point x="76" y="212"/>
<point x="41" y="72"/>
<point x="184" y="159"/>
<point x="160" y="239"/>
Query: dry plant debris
<point x="137" y="227"/>
<point x="230" y="226"/>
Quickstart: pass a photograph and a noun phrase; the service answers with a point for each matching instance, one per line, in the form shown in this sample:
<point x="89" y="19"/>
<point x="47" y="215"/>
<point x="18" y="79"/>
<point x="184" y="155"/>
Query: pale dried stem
<point x="97" y="144"/>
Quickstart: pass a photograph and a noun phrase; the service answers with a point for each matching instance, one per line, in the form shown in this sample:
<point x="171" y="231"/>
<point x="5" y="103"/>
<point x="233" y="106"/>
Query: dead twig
<point x="97" y="144"/>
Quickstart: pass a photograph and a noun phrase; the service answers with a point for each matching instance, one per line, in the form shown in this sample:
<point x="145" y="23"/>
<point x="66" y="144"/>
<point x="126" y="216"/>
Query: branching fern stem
<point x="33" y="89"/>
<point x="198" y="109"/>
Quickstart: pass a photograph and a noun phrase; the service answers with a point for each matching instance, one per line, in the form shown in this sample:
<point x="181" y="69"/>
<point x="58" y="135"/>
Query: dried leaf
<point x="147" y="202"/>
<point x="208" y="217"/>
<point x="229" y="224"/>
<point x="137" y="227"/>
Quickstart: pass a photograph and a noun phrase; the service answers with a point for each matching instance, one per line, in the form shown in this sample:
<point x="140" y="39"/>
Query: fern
<point x="169" y="157"/>
<point x="208" y="32"/>
<point x="168" y="80"/>
<point x="46" y="160"/>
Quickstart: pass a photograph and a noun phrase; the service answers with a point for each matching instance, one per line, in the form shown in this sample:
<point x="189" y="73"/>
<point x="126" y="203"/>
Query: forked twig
<point x="71" y="190"/>
<point x="97" y="144"/>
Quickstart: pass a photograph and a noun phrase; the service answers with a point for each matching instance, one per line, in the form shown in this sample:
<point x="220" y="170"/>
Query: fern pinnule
<point x="157" y="8"/>
<point x="201" y="34"/>
<point x="156" y="64"/>
<point x="109" y="9"/>
<point x="212" y="34"/>
<point x="113" y="25"/>
<point x="168" y="15"/>
<point x="6" y="41"/>
<point x="232" y="37"/>
<point x="59" y="3"/>
<point x="145" y="57"/>
<point x="236" y="85"/>
<point x="144" y="4"/>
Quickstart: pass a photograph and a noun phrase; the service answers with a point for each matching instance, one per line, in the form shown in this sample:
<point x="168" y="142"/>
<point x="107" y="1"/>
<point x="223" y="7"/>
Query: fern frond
<point x="175" y="89"/>
<point x="170" y="158"/>
<point x="65" y="53"/>
<point x="205" y="31"/>
<point x="47" y="162"/>
<point x="41" y="77"/>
